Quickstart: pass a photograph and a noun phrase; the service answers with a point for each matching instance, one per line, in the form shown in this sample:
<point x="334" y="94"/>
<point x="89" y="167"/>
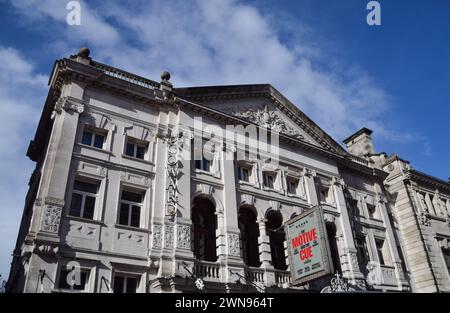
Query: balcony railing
<point x="283" y="278"/>
<point x="254" y="275"/>
<point x="125" y="76"/>
<point x="208" y="271"/>
<point x="211" y="271"/>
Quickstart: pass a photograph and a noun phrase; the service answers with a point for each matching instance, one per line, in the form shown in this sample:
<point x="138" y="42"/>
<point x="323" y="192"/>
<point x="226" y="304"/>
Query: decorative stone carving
<point x="69" y="105"/>
<point x="47" y="249"/>
<point x="424" y="219"/>
<point x="172" y="171"/>
<point x="354" y="261"/>
<point x="337" y="284"/>
<point x="157" y="236"/>
<point x="269" y="119"/>
<point x="168" y="237"/>
<point x="233" y="245"/>
<point x="183" y="236"/>
<point x="51" y="218"/>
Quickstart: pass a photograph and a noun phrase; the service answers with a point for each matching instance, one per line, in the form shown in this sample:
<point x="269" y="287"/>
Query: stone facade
<point x="137" y="230"/>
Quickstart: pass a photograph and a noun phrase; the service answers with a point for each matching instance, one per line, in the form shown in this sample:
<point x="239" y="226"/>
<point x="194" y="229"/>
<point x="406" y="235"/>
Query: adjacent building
<point x="121" y="199"/>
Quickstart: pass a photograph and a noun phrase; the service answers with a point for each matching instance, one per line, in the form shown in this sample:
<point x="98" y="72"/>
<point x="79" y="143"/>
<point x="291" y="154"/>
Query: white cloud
<point x="21" y="98"/>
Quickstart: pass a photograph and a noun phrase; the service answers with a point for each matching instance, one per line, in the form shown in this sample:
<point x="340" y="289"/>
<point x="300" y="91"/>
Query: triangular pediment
<point x="264" y="106"/>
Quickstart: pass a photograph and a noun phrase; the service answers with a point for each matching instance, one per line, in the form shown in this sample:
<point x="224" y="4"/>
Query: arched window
<point x="204" y="228"/>
<point x="249" y="236"/>
<point x="277" y="238"/>
<point x="331" y="233"/>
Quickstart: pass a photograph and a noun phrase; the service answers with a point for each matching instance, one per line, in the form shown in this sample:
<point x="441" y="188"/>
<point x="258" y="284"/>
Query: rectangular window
<point x="71" y="283"/>
<point x="243" y="173"/>
<point x="83" y="199"/>
<point x="203" y="164"/>
<point x="125" y="284"/>
<point x="130" y="209"/>
<point x="446" y="253"/>
<point x="323" y="193"/>
<point x="93" y="138"/>
<point x="371" y="209"/>
<point x="292" y="186"/>
<point x="135" y="150"/>
<point x="362" y="253"/>
<point x="268" y="180"/>
<point x="353" y="207"/>
<point x="380" y="244"/>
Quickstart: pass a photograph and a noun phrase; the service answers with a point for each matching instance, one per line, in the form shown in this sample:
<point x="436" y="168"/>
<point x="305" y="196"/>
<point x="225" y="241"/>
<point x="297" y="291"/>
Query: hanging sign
<point x="308" y="248"/>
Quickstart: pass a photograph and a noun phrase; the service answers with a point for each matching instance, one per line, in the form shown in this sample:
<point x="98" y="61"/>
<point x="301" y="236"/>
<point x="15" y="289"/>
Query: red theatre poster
<point x="309" y="252"/>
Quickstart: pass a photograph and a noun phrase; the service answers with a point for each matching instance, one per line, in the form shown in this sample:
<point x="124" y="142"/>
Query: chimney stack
<point x="360" y="143"/>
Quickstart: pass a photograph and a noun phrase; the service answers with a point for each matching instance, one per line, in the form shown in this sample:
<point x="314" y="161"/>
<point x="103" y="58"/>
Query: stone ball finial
<point x="84" y="52"/>
<point x="165" y="76"/>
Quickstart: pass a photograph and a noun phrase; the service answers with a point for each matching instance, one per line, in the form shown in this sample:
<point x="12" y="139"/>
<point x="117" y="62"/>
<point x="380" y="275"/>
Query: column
<point x="229" y="249"/>
<point x="350" y="267"/>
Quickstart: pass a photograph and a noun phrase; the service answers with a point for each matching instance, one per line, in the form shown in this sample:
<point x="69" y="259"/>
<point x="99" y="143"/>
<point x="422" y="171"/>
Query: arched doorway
<point x="204" y="224"/>
<point x="331" y="233"/>
<point x="249" y="236"/>
<point x="277" y="238"/>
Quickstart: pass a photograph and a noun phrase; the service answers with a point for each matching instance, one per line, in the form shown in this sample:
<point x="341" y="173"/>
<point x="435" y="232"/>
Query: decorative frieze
<point x="269" y="119"/>
<point x="51" y="218"/>
<point x="157" y="236"/>
<point x="233" y="245"/>
<point x="183" y="236"/>
<point x="168" y="237"/>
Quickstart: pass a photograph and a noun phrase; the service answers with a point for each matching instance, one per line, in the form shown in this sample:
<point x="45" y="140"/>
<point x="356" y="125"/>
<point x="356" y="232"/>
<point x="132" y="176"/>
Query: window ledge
<point x="137" y="159"/>
<point x="247" y="183"/>
<point x="95" y="148"/>
<point x="139" y="229"/>
<point x="212" y="174"/>
<point x="85" y="220"/>
<point x="271" y="189"/>
<point x="294" y="195"/>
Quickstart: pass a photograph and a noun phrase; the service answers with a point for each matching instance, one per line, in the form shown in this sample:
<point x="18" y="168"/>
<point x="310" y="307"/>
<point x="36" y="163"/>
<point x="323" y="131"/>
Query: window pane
<point x="98" y="141"/>
<point x="62" y="284"/>
<point x="130" y="150"/>
<point x="131" y="196"/>
<point x="84" y="186"/>
<point x="131" y="284"/>
<point x="87" y="138"/>
<point x="118" y="284"/>
<point x="140" y="152"/>
<point x="75" y="205"/>
<point x="89" y="206"/>
<point x="135" y="216"/>
<point x="380" y="251"/>
<point x="206" y="165"/>
<point x="198" y="164"/>
<point x="124" y="211"/>
<point x="245" y="174"/>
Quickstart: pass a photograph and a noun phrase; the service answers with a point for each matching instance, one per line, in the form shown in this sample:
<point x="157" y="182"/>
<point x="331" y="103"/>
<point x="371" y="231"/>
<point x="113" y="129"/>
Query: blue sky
<point x="321" y="54"/>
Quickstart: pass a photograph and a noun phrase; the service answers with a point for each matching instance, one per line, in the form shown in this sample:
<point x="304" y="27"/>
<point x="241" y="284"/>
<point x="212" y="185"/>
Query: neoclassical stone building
<point x="121" y="194"/>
